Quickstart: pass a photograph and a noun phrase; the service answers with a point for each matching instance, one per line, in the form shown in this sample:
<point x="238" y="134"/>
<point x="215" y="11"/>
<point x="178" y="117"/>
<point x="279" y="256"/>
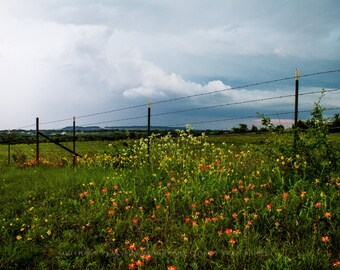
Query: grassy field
<point x="195" y="203"/>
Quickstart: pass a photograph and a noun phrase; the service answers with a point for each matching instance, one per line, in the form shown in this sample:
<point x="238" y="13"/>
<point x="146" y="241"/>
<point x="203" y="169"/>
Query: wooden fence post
<point x="37" y="141"/>
<point x="9" y="147"/>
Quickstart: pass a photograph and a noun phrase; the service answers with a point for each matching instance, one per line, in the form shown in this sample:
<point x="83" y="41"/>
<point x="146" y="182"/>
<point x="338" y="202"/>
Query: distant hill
<point x="142" y="128"/>
<point x="97" y="128"/>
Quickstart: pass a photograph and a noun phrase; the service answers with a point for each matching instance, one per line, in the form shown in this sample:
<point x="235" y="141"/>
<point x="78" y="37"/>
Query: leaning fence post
<point x="296" y="106"/>
<point x="149" y="128"/>
<point x="37" y="141"/>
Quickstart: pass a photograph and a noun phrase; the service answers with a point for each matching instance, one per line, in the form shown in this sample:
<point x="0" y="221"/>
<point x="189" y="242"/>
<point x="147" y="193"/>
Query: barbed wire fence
<point x="156" y="115"/>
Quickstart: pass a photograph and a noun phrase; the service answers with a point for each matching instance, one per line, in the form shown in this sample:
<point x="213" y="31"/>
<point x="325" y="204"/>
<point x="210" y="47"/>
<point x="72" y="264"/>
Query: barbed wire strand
<point x="210" y="107"/>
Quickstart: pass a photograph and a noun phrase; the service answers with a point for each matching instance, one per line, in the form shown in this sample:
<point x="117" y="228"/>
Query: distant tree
<point x="243" y="128"/>
<point x="254" y="128"/>
<point x="279" y="128"/>
<point x="336" y="120"/>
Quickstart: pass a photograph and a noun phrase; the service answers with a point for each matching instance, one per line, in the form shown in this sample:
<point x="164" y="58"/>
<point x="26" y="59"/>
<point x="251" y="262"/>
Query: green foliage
<point x="311" y="152"/>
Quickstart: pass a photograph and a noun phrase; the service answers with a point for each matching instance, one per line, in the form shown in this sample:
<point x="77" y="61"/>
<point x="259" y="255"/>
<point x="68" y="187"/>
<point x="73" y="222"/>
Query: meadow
<point x="195" y="202"/>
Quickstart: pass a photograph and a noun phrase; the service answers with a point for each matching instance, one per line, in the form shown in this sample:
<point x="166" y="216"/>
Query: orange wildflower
<point x="171" y="267"/>
<point x="336" y="263"/>
<point x="285" y="195"/>
<point x="232" y="241"/>
<point x="327" y="214"/>
<point x="325" y="239"/>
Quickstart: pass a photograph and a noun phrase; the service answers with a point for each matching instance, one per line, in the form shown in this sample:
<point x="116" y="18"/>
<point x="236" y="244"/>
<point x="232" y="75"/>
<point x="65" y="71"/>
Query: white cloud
<point x="59" y="58"/>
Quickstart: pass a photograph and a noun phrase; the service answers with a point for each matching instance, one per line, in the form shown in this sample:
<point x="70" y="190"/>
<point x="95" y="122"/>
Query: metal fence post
<point x="149" y="128"/>
<point x="296" y="106"/>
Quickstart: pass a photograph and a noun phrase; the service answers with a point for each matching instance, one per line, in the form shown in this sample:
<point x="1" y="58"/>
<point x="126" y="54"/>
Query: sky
<point x="102" y="60"/>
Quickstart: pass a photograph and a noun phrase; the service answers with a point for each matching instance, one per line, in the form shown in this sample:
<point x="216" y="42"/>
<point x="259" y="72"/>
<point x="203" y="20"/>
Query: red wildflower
<point x="228" y="231"/>
<point x="318" y="204"/>
<point x="211" y="253"/>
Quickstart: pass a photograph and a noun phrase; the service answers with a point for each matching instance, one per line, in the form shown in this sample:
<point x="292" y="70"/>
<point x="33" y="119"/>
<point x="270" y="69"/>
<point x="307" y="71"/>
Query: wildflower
<point x="226" y="197"/>
<point x="18" y="237"/>
<point x="49" y="232"/>
<point x="318" y="204"/>
<point x="269" y="206"/>
<point x="83" y="194"/>
<point x="139" y="263"/>
<point x="327" y="214"/>
<point x="194" y="223"/>
<point x="131" y="266"/>
<point x="220" y="232"/>
<point x="31" y="209"/>
<point x="146" y="257"/>
<point x="234" y="215"/>
<point x="211" y="253"/>
<point x="246" y="199"/>
<point x="167" y="194"/>
<point x="104" y="190"/>
<point x="285" y="195"/>
<point x="135" y="220"/>
<point x="228" y="231"/>
<point x="336" y="263"/>
<point x="92" y="202"/>
<point x="110" y="230"/>
<point x="158" y="207"/>
<point x="193" y="205"/>
<point x="325" y="239"/>
<point x="115" y="187"/>
<point x="132" y="247"/>
<point x="171" y="267"/>
<point x="187" y="220"/>
<point x="145" y="239"/>
<point x="232" y="241"/>
<point x="302" y="194"/>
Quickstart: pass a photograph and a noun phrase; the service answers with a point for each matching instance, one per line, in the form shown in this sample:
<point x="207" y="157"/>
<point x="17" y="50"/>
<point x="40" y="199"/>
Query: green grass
<point x="196" y="205"/>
